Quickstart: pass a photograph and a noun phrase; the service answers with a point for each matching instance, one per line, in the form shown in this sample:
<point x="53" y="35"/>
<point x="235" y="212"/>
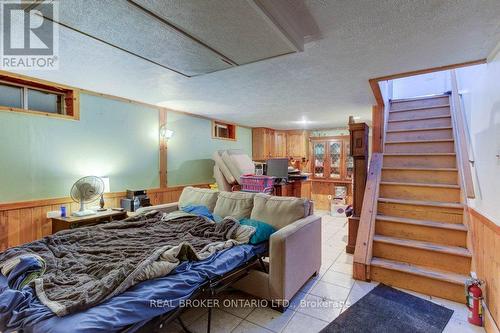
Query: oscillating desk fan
<point x="85" y="190"/>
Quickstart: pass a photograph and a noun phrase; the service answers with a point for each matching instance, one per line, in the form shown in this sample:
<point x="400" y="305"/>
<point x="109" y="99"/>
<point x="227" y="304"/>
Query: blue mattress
<point x="21" y="310"/>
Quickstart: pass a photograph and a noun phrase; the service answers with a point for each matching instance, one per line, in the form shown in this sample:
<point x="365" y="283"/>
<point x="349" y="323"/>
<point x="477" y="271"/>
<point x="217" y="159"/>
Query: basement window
<point x="20" y="94"/>
<point x="224" y="131"/>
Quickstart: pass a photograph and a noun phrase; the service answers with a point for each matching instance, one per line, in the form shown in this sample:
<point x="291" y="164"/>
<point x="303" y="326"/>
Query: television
<point x="277" y="167"/>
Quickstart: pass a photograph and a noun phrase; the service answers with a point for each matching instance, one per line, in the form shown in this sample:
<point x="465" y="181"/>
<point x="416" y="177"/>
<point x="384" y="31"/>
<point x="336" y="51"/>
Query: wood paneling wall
<point x="485" y="239"/>
<point x="26" y="221"/>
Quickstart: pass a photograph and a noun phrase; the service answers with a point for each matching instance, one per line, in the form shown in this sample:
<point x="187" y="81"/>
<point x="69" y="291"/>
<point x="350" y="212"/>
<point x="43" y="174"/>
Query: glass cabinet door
<point x="349" y="162"/>
<point x="319" y="149"/>
<point x="335" y="150"/>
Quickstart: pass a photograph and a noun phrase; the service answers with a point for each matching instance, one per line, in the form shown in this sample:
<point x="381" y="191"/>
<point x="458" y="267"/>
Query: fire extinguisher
<point x="473" y="301"/>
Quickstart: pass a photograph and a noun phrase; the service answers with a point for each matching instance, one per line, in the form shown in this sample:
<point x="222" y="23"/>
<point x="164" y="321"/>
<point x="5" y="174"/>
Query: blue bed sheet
<point x="22" y="309"/>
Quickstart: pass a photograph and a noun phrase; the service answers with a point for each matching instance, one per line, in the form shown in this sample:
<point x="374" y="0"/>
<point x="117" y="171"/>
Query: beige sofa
<point x="295" y="248"/>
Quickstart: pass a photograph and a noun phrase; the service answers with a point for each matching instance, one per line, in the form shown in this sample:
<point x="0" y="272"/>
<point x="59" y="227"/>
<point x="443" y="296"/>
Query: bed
<point x="131" y="310"/>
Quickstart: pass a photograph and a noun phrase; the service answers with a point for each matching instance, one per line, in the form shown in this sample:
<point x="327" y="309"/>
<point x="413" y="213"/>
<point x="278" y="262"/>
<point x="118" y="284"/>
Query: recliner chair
<point x="229" y="166"/>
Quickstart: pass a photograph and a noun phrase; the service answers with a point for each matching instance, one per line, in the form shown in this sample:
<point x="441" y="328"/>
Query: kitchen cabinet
<point x="297" y="144"/>
<point x="263" y="143"/>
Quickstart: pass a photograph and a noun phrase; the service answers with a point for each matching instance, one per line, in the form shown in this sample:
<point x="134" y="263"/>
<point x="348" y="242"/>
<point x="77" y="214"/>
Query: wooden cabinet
<point x="280" y="140"/>
<point x="268" y="143"/>
<point x="330" y="158"/>
<point x="263" y="143"/>
<point x="297" y="144"/>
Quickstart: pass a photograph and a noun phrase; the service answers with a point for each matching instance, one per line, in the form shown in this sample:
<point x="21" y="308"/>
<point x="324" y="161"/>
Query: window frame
<point x="231" y="128"/>
<point x="70" y="97"/>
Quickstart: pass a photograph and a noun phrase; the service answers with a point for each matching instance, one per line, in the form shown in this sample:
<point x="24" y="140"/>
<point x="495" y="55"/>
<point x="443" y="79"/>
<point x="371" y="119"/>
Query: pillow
<point x="238" y="163"/>
<point x="236" y="204"/>
<point x="198" y="197"/>
<point x="279" y="211"/>
<point x="223" y="168"/>
<point x="198" y="210"/>
<point x="262" y="230"/>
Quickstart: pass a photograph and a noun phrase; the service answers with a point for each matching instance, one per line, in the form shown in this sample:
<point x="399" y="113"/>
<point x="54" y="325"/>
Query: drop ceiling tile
<point x="236" y="28"/>
<point x="124" y="25"/>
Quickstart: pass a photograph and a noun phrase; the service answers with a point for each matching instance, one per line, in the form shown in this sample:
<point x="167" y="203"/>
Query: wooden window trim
<point x="231" y="128"/>
<point x="71" y="96"/>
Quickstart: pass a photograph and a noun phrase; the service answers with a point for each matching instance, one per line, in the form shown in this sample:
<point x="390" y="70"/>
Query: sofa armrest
<point x="294" y="256"/>
<point x="165" y="208"/>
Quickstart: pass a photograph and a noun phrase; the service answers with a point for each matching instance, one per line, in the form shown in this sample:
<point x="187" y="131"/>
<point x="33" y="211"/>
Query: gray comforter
<point x="86" y="266"/>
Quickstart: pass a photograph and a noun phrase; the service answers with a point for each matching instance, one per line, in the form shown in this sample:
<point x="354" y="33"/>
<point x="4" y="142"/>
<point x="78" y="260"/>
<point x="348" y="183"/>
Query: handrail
<point x="461" y="139"/>
<point x="366" y="230"/>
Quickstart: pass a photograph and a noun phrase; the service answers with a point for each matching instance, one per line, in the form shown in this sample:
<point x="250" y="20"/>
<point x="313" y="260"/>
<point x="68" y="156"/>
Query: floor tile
<point x="172" y="327"/>
<point x="236" y="303"/>
<point x="248" y="327"/>
<point x="269" y="318"/>
<point x="358" y="290"/>
<point x="345" y="258"/>
<point x="337" y="278"/>
<point x="301" y="323"/>
<point x="342" y="268"/>
<point x="320" y="307"/>
<point x="460" y="311"/>
<point x="455" y="326"/>
<point x="330" y="291"/>
<point x="191" y="314"/>
<point x="222" y="322"/>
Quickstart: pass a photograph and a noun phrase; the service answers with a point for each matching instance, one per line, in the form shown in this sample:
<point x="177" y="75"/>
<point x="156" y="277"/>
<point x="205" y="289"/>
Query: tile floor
<point x="318" y="303"/>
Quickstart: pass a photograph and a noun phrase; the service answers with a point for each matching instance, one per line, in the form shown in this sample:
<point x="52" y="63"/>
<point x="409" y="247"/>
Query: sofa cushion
<point x="238" y="163"/>
<point x="223" y="169"/>
<point x="236" y="204"/>
<point x="279" y="211"/>
<point x="198" y="197"/>
<point x="262" y="230"/>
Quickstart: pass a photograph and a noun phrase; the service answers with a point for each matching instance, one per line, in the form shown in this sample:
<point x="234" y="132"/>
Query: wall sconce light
<point x="165" y="133"/>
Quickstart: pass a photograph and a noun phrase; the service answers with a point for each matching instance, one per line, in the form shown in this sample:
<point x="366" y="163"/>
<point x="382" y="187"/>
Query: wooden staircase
<point x="412" y="233"/>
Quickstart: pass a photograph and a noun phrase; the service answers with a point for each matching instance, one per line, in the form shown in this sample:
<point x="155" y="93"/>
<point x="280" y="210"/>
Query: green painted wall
<point x="190" y="149"/>
<point x="42" y="157"/>
<point x="330" y="132"/>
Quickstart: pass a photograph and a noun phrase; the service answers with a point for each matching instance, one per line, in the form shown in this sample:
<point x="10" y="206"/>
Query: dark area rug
<point x="385" y="309"/>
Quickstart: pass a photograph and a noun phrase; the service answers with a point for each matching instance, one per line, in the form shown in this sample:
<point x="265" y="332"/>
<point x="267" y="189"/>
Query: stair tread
<point x="454" y="250"/>
<point x="420" y="169"/>
<point x="420" y="129"/>
<point x="419" y="270"/>
<point x="411" y="99"/>
<point x="426" y="223"/>
<point x="422" y="108"/>
<point x="422" y="203"/>
<point x="421" y="184"/>
<point x="420" y="141"/>
<point x="423" y="118"/>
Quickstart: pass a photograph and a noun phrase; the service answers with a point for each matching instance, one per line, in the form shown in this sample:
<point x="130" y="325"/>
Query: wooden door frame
<point x="379" y="108"/>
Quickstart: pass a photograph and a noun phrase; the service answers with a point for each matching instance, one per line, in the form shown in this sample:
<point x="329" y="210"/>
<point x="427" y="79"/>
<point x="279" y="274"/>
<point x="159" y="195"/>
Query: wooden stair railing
<point x="366" y="229"/>
<point x="462" y="143"/>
